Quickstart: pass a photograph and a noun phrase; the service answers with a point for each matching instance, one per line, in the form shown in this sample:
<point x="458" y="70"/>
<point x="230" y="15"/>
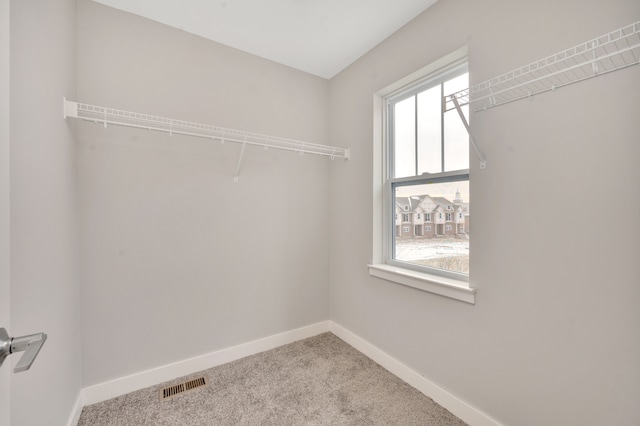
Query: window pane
<point x="431" y="240"/>
<point x="456" y="84"/>
<point x="456" y="141"/>
<point x="404" y="138"/>
<point x="429" y="131"/>
<point x="456" y="152"/>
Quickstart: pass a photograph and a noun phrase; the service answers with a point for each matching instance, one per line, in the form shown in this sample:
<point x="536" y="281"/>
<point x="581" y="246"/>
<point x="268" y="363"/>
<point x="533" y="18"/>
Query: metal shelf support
<point x="105" y="116"/>
<point x="235" y="176"/>
<point x="474" y="144"/>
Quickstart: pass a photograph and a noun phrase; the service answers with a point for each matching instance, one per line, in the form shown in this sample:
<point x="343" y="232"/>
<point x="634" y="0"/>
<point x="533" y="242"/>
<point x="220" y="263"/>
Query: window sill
<point x="427" y="282"/>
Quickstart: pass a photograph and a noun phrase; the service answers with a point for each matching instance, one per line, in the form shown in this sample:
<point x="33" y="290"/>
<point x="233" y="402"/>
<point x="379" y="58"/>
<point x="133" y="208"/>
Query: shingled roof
<point x="426" y="202"/>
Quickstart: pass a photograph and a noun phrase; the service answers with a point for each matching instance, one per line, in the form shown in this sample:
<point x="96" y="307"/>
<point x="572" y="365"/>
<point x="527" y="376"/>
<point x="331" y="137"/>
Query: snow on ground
<point x="412" y="250"/>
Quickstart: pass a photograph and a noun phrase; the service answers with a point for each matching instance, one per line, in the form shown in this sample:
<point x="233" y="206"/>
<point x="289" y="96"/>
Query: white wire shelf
<point x="610" y="52"/>
<point x="110" y="116"/>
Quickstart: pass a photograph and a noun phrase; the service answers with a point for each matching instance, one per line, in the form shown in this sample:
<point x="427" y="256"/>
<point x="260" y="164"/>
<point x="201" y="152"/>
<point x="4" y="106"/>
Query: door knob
<point x="30" y="345"/>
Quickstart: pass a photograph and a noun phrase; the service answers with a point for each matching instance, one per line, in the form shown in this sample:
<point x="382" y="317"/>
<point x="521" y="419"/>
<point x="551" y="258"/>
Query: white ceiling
<point x="321" y="37"/>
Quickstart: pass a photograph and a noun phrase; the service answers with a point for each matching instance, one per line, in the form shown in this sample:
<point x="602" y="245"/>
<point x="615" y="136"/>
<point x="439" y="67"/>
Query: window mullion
<point x="442" y="126"/>
<point x="390" y="167"/>
<point x="391" y="174"/>
<point x="415" y="131"/>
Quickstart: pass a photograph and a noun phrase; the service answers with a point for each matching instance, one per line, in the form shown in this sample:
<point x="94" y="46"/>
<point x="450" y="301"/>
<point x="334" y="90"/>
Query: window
<point x="421" y="153"/>
<point x="419" y="216"/>
<point x="405" y="229"/>
<point x="428" y="160"/>
<point x="405" y="217"/>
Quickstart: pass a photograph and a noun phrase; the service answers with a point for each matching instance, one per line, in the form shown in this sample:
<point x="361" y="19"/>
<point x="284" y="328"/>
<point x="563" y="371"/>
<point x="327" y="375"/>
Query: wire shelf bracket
<point x="110" y="116"/>
<point x="474" y="144"/>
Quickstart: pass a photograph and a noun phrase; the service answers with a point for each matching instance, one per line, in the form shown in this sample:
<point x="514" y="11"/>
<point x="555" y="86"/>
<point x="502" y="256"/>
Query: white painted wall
<point x="177" y="259"/>
<point x="553" y="337"/>
<point x="5" y="230"/>
<point x="43" y="212"/>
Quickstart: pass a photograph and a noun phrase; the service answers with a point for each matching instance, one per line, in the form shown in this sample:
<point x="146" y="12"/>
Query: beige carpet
<point x="316" y="381"/>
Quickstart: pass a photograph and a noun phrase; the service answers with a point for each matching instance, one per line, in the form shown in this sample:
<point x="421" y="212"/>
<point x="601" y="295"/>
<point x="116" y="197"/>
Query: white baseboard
<point x="455" y="405"/>
<point x="77" y="410"/>
<point x="111" y="389"/>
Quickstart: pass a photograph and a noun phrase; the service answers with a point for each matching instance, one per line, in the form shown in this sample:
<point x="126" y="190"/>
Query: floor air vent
<point x="174" y="390"/>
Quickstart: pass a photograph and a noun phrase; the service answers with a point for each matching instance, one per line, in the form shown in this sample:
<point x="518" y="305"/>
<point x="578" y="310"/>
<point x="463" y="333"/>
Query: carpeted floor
<point x="316" y="381"/>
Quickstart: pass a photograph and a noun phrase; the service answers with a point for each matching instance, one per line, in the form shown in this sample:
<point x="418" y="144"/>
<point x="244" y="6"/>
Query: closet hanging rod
<point x="610" y="52"/>
<point x="110" y="116"/>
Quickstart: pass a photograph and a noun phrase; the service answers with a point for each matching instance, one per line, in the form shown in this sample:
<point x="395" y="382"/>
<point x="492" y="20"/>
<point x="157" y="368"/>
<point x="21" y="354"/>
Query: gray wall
<point x="553" y="337"/>
<point x="5" y="225"/>
<point x="45" y="294"/>
<point x="177" y="259"/>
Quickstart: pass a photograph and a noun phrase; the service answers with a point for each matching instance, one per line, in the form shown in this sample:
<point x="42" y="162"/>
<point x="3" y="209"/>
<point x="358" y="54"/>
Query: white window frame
<point x="383" y="266"/>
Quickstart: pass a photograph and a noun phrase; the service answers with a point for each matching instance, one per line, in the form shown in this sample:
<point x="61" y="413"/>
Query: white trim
<point x="77" y="410"/>
<point x="416" y="77"/>
<point x="123" y="385"/>
<point x="443" y="286"/>
<point x="457" y="406"/>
